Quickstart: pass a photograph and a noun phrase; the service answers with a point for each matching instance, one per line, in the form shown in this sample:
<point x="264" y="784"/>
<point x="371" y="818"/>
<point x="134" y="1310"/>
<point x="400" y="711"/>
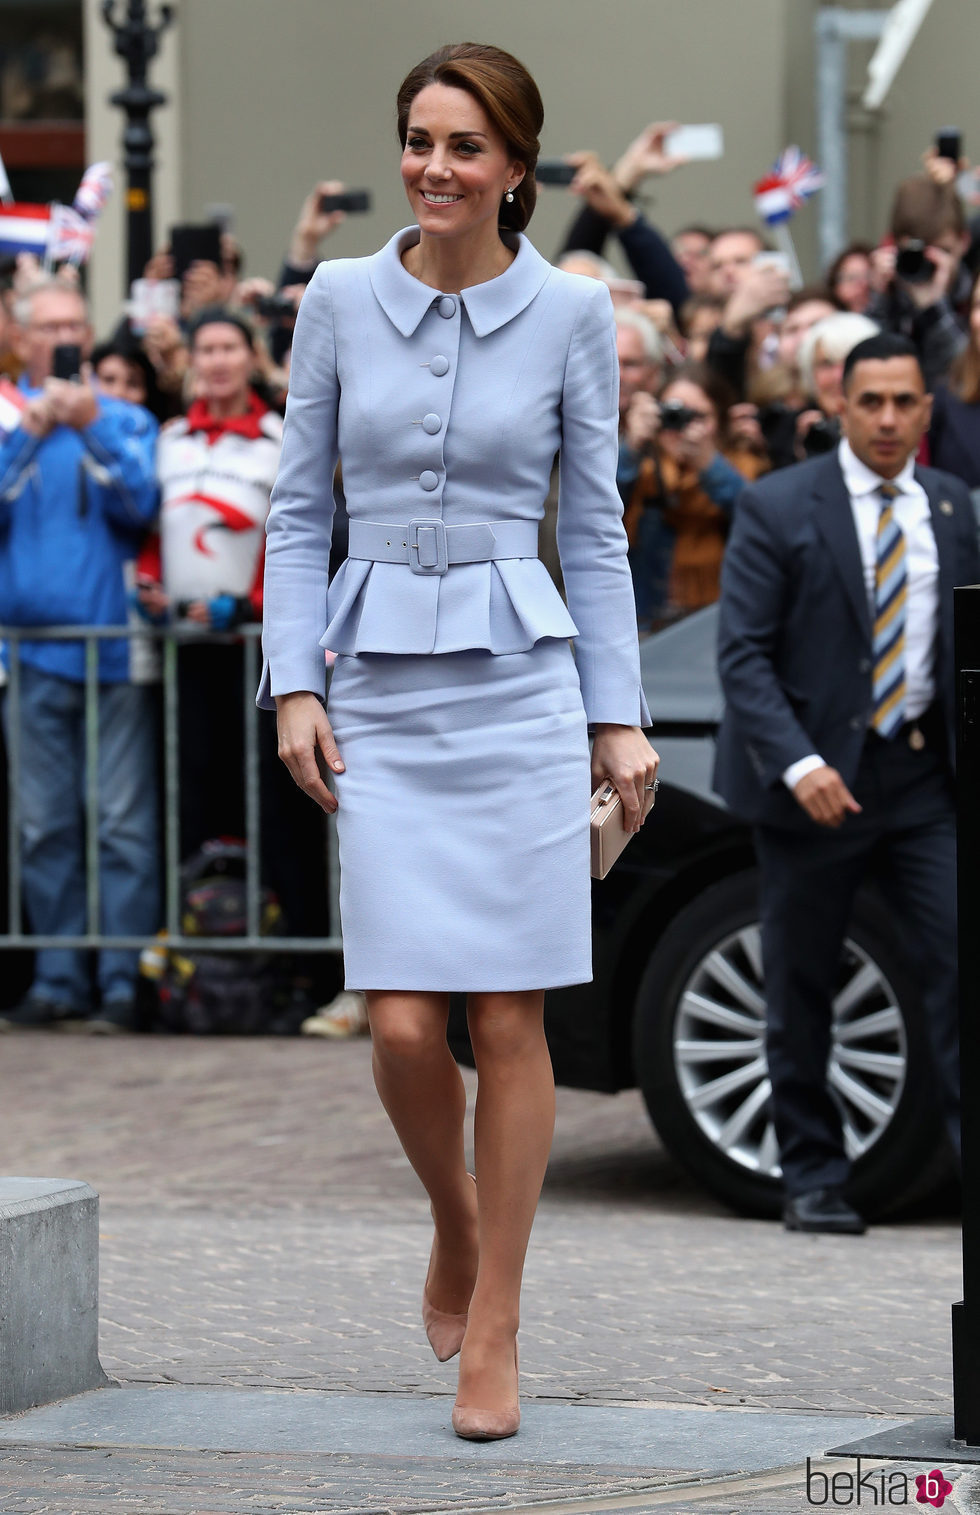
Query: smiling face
<point x="222" y="363"/>
<point x="455" y="165"/>
<point x="885" y="411"/>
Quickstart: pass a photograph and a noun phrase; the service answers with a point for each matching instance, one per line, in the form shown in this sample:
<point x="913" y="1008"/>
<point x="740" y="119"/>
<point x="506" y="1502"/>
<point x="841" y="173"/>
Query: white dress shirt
<point x="911" y="511"/>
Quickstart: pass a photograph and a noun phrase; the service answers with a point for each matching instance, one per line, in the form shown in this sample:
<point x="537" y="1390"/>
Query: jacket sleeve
<point x="727" y="357"/>
<point x="298" y="530"/>
<point x="16" y="453"/>
<point x="591" y="538"/>
<point x="752" y="612"/>
<point x="940" y="340"/>
<point x="120" y="448"/>
<point x="587" y="232"/>
<point x="722" y="483"/>
<point x="649" y="256"/>
<point x="653" y="263"/>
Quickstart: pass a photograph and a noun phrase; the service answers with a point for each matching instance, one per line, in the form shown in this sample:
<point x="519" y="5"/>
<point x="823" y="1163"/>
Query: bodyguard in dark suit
<point x="836" y="657"/>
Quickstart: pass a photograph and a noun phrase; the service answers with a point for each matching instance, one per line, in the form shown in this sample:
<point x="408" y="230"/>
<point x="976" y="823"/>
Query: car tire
<point x="723" y="1134"/>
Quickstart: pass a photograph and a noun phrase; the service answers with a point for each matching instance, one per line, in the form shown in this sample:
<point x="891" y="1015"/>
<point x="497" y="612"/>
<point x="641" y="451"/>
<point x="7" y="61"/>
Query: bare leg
<point x="513" y="1128"/>
<point x="421" y="1089"/>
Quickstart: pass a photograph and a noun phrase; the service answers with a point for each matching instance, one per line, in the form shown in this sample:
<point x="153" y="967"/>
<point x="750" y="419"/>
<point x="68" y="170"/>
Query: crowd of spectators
<point x="139" y="495"/>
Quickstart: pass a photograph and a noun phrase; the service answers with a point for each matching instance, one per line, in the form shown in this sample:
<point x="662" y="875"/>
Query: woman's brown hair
<point x="964" y="374"/>
<point x="508" y="94"/>
<point x="718" y="393"/>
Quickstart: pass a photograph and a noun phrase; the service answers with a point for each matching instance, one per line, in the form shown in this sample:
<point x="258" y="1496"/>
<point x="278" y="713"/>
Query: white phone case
<point x="704" y="141"/>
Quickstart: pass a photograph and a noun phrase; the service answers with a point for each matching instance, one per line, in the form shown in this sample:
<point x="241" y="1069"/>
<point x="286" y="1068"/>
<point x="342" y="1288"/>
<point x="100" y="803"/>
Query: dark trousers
<point x="211" y="697"/>
<point x="906" y="836"/>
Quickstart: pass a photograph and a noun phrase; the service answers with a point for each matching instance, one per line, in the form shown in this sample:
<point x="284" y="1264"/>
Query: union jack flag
<point x="791" y="181"/>
<point x="71" y="235"/>
<point x="94" y="190"/>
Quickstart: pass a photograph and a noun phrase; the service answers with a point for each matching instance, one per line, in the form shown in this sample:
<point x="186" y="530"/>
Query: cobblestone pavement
<point x="261" y="1228"/>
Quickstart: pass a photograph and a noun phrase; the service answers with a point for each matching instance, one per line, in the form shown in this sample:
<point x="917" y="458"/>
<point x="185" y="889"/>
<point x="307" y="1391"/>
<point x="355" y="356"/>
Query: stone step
<point x="49" y="1291"/>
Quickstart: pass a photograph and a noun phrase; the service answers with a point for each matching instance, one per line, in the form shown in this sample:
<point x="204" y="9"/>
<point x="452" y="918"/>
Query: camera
<point x="356" y="202"/>
<point x="823" y="436"/>
<point x="274" y="307"/>
<point x="554" y="171"/>
<point x="911" y="265"/>
<point x="675" y="416"/>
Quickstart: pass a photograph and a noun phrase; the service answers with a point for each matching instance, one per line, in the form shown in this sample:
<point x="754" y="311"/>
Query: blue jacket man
<point x="77" y="491"/>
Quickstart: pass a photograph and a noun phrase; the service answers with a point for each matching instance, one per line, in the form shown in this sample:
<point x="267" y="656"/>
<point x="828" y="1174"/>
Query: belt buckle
<point x="428" y="551"/>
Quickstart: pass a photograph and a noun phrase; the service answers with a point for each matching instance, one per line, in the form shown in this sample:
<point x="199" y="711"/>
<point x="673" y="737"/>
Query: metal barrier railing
<point x="169" y="638"/>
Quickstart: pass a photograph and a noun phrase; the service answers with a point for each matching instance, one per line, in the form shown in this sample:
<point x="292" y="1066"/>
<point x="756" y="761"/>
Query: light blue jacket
<point x="452" y="407"/>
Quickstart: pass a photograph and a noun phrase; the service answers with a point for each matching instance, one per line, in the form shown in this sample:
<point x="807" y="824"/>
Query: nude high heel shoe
<point x="488" y="1425"/>
<point x="444" y="1330"/>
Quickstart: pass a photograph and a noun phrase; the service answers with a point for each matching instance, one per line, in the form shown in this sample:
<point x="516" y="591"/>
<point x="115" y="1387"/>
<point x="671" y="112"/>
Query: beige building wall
<point x="308" y="92"/>
<point x="267" y="96"/>
<point x="271" y="95"/>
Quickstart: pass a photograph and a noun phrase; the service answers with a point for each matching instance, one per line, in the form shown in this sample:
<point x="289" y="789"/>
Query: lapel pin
<point x="946" y="507"/>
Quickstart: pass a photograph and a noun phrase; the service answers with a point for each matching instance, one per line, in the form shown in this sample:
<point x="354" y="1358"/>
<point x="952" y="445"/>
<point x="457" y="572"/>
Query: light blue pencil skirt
<point x="463" y="819"/>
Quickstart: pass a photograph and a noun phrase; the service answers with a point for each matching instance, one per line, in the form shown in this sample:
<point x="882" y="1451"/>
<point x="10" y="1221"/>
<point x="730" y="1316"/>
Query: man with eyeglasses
<point x="77" y="492"/>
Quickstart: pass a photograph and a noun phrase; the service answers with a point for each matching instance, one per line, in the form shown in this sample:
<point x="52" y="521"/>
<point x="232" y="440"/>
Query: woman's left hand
<point x="623" y="755"/>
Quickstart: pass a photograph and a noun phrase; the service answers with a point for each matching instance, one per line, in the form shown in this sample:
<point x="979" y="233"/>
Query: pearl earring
<point x="509" y="197"/>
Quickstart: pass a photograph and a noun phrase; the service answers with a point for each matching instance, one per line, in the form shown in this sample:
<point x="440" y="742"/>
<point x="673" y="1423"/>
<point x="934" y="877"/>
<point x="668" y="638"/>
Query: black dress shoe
<point x="822" y="1210"/>
<point x="115" y="1017"/>
<point x="36" y="1013"/>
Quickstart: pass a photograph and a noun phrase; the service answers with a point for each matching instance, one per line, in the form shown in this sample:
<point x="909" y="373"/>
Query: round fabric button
<point x="431" y="423"/>
<point x="447" y="306"/>
<point x="439" y="365"/>
<point x="428" y="479"/>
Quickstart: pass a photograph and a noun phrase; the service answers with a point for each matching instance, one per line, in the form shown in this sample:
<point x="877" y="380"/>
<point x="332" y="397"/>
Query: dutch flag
<point x="24" y="228"/>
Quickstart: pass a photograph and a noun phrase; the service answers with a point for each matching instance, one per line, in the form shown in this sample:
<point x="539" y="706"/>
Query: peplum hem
<point x="503" y="606"/>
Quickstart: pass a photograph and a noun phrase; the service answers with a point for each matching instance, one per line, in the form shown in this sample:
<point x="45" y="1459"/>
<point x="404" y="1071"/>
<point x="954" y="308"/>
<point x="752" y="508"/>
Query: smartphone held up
<point x="66" y="361"/>
<point x="703" y="142"/>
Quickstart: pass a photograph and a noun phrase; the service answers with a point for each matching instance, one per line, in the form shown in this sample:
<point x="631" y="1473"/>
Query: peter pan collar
<point x="405" y="299"/>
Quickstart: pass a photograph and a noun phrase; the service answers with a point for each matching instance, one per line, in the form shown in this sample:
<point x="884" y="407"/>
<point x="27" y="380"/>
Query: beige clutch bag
<point x="606" y="825"/>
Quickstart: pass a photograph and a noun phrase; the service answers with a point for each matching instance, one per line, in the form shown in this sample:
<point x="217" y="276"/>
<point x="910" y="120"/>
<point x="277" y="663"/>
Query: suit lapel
<point x="834" y="518"/>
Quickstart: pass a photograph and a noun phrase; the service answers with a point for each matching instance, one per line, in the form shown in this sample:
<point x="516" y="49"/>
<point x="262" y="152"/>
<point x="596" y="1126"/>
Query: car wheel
<point x="700" y="1062"/>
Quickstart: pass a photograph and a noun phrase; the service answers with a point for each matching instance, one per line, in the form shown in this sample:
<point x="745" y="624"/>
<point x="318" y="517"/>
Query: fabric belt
<point x="429" y="546"/>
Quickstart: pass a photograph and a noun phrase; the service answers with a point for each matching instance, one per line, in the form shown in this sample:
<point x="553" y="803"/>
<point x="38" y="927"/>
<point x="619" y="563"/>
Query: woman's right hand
<point x="304" y="731"/>
<point x="641" y="423"/>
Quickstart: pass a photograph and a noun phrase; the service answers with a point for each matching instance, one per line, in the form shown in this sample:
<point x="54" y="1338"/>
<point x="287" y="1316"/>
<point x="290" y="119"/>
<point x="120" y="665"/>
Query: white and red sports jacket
<point x="216" y="477"/>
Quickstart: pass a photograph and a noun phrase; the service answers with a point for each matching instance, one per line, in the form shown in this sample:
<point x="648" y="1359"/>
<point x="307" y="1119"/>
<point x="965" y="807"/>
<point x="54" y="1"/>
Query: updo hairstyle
<point x="508" y="94"/>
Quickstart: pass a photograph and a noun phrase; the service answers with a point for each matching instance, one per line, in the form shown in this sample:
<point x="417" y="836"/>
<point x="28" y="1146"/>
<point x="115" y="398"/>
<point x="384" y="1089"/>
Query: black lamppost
<point x="137" y="42"/>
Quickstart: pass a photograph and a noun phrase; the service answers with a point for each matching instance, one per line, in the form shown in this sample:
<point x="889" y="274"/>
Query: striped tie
<point x="889" y="629"/>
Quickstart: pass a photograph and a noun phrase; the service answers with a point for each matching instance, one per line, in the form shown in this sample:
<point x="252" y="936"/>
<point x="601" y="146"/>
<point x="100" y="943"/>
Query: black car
<point x="677" y="1001"/>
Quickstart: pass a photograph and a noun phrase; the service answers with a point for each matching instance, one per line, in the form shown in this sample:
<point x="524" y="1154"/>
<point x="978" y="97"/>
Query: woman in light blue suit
<point x="447" y="370"/>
